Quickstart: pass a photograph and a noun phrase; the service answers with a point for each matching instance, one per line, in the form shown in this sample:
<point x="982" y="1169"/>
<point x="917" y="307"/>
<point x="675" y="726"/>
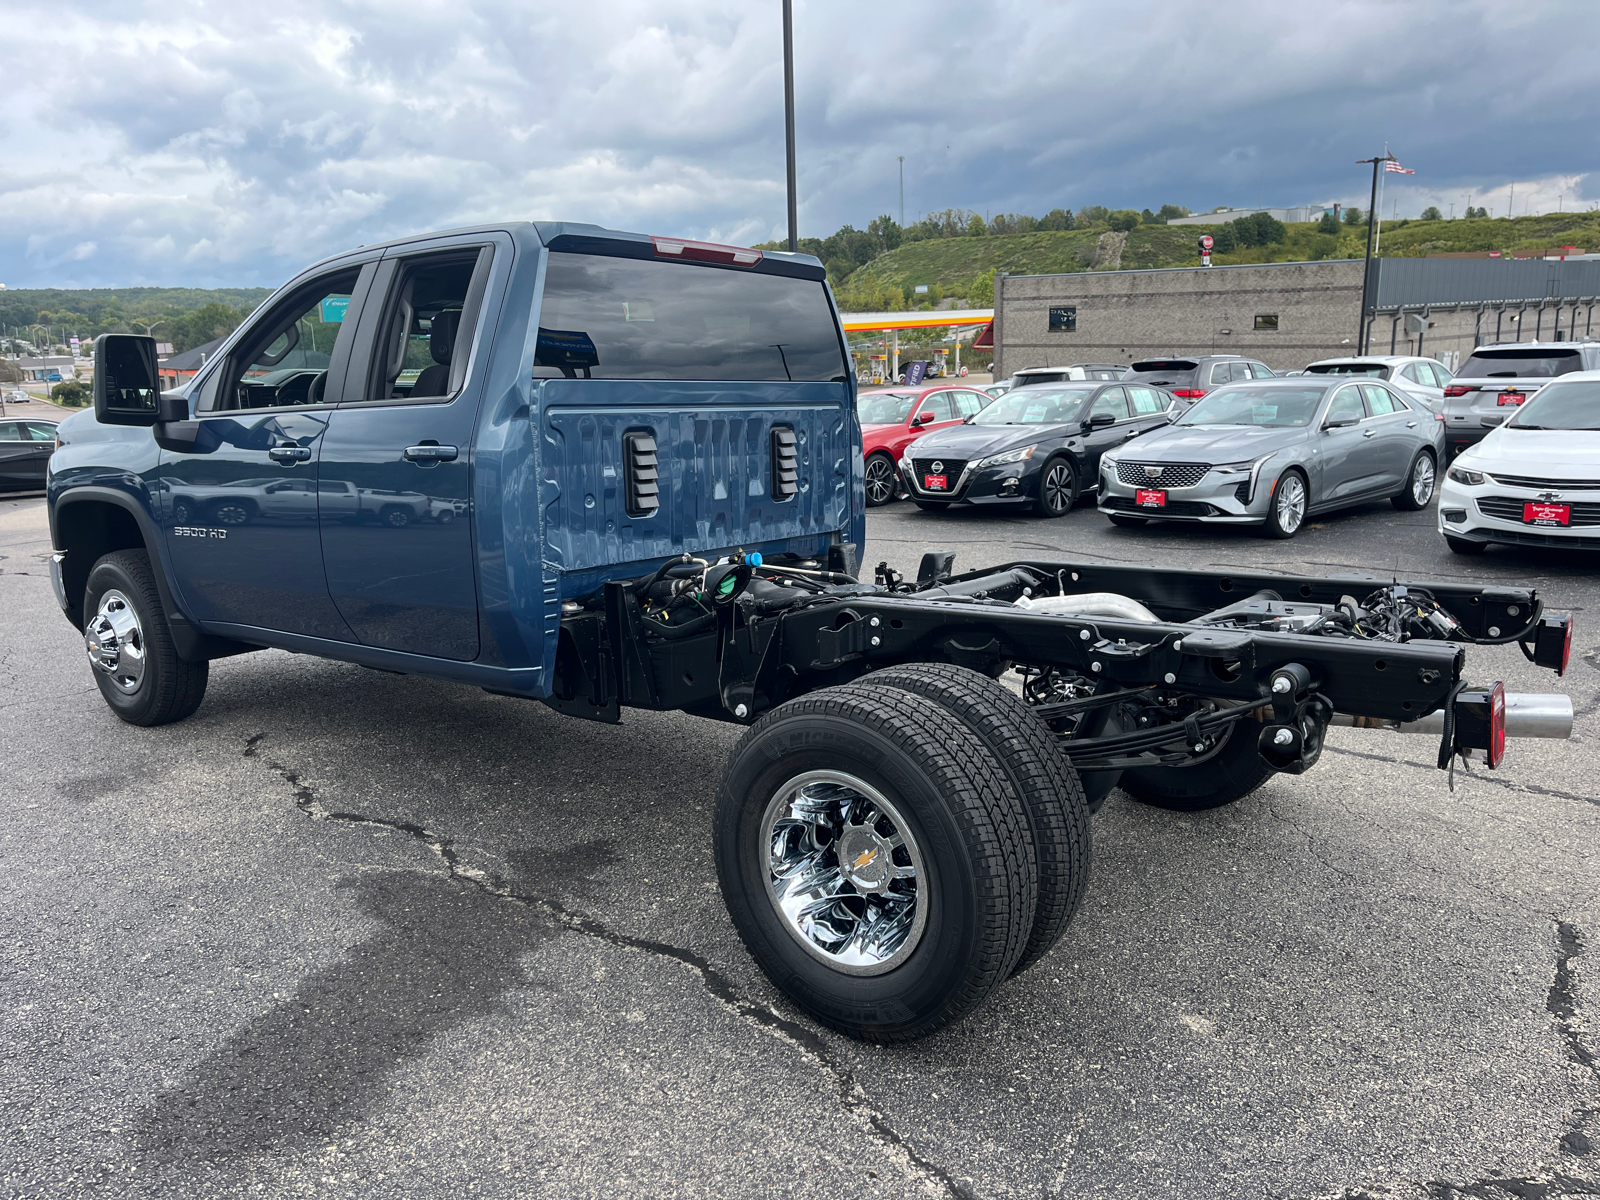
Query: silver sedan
<point x="1273" y="452"/>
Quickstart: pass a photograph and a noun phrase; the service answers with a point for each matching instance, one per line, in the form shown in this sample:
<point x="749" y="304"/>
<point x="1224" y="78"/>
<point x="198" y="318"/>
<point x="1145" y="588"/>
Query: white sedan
<point x="1533" y="481"/>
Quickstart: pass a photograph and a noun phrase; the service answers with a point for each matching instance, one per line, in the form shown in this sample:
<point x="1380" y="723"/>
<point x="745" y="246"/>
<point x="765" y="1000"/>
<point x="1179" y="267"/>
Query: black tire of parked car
<point x="957" y="807"/>
<point x="1277" y="524"/>
<point x="882" y="480"/>
<point x="1127" y="522"/>
<point x="445" y="515"/>
<point x="232" y="512"/>
<point x="932" y="505"/>
<point x="171" y="688"/>
<point x="1465" y="546"/>
<point x="1058" y="488"/>
<point x="1231" y="774"/>
<point x="1041" y="775"/>
<point x="1406" y="498"/>
<point x="395" y="517"/>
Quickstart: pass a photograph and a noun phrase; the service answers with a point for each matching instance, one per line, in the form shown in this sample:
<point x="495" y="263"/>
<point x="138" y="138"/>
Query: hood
<point x="1210" y="443"/>
<point x="980" y="441"/>
<point x="1546" y="453"/>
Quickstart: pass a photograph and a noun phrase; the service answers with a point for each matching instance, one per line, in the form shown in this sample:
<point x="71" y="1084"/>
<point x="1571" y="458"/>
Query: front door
<point x="25" y="449"/>
<point x="396" y="519"/>
<point x="1343" y="450"/>
<point x="239" y="510"/>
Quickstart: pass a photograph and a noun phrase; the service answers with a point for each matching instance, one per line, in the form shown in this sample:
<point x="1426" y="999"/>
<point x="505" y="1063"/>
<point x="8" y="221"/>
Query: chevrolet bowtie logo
<point x="864" y="859"/>
<point x="1547" y="497"/>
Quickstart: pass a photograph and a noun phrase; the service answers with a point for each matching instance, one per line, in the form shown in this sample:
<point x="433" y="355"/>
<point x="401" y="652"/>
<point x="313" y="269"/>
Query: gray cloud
<point x="227" y="143"/>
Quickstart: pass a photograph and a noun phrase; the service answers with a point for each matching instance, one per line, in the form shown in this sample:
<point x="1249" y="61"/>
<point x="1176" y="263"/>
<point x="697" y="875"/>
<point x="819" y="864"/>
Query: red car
<point x="892" y="418"/>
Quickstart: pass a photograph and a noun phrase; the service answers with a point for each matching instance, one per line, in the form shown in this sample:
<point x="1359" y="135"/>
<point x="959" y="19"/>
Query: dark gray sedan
<point x="1273" y="452"/>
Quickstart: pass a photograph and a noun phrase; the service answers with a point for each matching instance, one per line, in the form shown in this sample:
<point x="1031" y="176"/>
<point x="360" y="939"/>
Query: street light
<point x="788" y="121"/>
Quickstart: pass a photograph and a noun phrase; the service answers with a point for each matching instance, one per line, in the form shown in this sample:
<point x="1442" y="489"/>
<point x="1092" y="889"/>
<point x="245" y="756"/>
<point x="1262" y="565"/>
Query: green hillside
<point x="954" y="265"/>
<point x="184" y="316"/>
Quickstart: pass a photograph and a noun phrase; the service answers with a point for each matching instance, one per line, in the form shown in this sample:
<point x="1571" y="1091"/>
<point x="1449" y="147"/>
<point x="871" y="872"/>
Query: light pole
<point x="788" y="120"/>
<point x="1366" y="273"/>
<point x="902" y="158"/>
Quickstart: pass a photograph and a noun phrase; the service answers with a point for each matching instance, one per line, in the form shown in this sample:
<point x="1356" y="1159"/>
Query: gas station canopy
<point x="863" y="322"/>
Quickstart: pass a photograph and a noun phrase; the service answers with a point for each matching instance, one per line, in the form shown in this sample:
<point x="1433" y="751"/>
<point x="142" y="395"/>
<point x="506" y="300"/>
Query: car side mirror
<point x="126" y="382"/>
<point x="922" y="418"/>
<point x="1339" y="422"/>
<point x="1100" y="420"/>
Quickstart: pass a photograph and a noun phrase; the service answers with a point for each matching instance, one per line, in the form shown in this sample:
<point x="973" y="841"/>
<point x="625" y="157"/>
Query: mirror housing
<point x="922" y="418"/>
<point x="1100" y="421"/>
<point x="127" y="384"/>
<point x="1330" y="423"/>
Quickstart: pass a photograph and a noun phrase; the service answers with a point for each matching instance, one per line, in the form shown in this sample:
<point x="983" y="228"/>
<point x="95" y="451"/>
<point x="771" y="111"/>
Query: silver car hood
<point x="1211" y="443"/>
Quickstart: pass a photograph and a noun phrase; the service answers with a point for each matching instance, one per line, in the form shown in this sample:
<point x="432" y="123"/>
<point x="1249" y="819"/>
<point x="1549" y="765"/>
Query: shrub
<point x="71" y="394"/>
<point x="1354" y="216"/>
<point x="1431" y="213"/>
<point x="1328" y="224"/>
<point x="1124" y="220"/>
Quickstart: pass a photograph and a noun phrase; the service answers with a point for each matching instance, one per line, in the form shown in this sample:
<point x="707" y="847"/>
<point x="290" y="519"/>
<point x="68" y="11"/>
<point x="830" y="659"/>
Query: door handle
<point x="1370" y="433"/>
<point x="431" y="452"/>
<point x="1411" y="424"/>
<point x="289" y="455"/>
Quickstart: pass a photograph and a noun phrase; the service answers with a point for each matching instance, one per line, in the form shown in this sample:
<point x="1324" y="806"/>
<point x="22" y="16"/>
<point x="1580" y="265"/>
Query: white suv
<point x="1423" y="379"/>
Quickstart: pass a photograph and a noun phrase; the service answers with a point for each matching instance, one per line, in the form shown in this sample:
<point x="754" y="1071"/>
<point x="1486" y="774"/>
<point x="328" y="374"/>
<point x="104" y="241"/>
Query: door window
<point x="10" y="431"/>
<point x="1441" y="374"/>
<point x="939" y="407"/>
<point x="1147" y="402"/>
<point x="429" y="322"/>
<point x="1379" y="402"/>
<point x="42" y="431"/>
<point x="1261" y="370"/>
<point x="1346" y="406"/>
<point x="1113" y="401"/>
<point x="282" y="362"/>
<point x="970" y="404"/>
<point x="1410" y="371"/>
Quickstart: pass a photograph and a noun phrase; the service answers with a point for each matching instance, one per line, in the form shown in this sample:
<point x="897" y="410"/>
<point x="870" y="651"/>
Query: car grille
<point x="1540" y="485"/>
<point x="1508" y="508"/>
<point x="1172" y="475"/>
<point x="950" y="468"/>
<point x="1172" y="508"/>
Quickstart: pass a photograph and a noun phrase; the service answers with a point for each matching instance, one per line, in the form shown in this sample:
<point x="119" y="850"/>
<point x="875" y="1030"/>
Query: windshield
<point x="885" y="408"/>
<point x="1520" y="364"/>
<point x="1034" y="406"/>
<point x="1371" y="370"/>
<point x="1561" y="406"/>
<point x="1280" y="408"/>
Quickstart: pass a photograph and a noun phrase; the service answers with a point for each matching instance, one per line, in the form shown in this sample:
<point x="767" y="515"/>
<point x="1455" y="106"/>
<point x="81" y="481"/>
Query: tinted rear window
<point x="1168" y="372"/>
<point x="1520" y="364"/>
<point x="629" y="318"/>
<point x="1371" y="370"/>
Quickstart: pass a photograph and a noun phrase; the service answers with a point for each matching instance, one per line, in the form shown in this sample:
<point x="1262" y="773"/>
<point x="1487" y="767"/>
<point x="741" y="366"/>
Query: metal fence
<point x="1423" y="283"/>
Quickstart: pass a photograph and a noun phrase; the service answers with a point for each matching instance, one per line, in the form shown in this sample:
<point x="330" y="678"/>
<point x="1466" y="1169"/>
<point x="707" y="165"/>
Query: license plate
<point x="1512" y="398"/>
<point x="936" y="483"/>
<point x="1149" y="498"/>
<point x="1547" y="514"/>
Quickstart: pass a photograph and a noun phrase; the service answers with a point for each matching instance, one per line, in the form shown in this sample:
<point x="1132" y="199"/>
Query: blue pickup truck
<point x="607" y="471"/>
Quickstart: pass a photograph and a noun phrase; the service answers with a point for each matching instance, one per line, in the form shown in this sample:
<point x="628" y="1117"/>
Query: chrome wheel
<point x="115" y="642"/>
<point x="882" y="483"/>
<point x="1422" y="481"/>
<point x="843" y="872"/>
<point x="1290" y="503"/>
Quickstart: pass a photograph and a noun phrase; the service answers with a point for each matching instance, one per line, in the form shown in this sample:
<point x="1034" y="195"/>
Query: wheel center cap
<point x="866" y="860"/>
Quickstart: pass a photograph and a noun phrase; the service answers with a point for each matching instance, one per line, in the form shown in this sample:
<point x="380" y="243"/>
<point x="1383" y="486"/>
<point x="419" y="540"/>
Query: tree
<point x="1004" y="223"/>
<point x="1482" y="213"/>
<point x="886" y="231"/>
<point x="1056" y="219"/>
<point x="1093" y="214"/>
<point x="1168" y="211"/>
<point x="980" y="292"/>
<point x="1124" y="220"/>
<point x="1431" y="213"/>
<point x="1354" y="216"/>
<point x="70" y="394"/>
<point x="976" y="227"/>
<point x="1223" y="239"/>
<point x="1327" y="224"/>
<point x="1146" y="217"/>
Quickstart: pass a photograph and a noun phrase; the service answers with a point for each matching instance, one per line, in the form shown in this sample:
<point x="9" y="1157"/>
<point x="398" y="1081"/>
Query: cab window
<point x="1147" y="402"/>
<point x="1113" y="401"/>
<point x="282" y="362"/>
<point x="429" y="322"/>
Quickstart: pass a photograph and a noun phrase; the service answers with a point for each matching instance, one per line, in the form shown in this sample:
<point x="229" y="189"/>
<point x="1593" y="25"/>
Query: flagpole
<point x="1366" y="273"/>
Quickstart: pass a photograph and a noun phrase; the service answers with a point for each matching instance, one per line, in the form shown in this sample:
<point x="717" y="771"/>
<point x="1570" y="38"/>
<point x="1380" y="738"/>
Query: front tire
<point x="395" y="518"/>
<point x="882" y="480"/>
<point x="1420" y="481"/>
<point x="130" y="648"/>
<point x="874" y="860"/>
<point x="1287" y="510"/>
<point x="1231" y="774"/>
<point x="1058" y="489"/>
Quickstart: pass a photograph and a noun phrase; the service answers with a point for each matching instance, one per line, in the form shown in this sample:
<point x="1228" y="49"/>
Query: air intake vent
<point x="785" y="463"/>
<point x="643" y="474"/>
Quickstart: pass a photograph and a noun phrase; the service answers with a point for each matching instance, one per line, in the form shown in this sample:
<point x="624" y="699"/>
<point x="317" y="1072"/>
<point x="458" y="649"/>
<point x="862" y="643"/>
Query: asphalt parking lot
<point x="352" y="934"/>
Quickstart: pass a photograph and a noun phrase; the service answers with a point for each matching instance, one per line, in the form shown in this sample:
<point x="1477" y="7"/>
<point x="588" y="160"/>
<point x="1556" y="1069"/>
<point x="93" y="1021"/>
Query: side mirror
<point x="126" y="382"/>
<point x="1100" y="421"/>
<point x="924" y="418"/>
<point x="1340" y="422"/>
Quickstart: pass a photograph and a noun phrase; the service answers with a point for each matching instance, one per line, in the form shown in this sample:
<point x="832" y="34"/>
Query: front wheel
<point x="396" y="518"/>
<point x="130" y="649"/>
<point x="875" y="860"/>
<point x="1287" y="511"/>
<point x="883" y="480"/>
<point x="1058" y="488"/>
<point x="1418" y="490"/>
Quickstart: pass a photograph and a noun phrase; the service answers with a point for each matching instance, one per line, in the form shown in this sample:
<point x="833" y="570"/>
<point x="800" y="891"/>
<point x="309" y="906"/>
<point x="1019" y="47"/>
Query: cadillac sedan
<point x="1272" y="452"/>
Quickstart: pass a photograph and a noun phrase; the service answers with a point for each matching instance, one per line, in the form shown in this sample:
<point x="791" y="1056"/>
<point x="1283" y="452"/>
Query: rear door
<point x="690" y="406"/>
<point x="16" y="457"/>
<point x="1390" y="432"/>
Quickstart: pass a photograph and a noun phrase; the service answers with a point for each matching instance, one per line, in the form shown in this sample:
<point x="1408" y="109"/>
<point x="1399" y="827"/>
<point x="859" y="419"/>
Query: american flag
<point x="1393" y="165"/>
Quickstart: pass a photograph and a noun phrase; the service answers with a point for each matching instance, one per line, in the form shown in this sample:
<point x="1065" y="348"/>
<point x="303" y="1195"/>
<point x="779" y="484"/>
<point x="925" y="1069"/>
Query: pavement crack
<point x="1478" y="776"/>
<point x="1311" y="844"/>
<point x="852" y="1097"/>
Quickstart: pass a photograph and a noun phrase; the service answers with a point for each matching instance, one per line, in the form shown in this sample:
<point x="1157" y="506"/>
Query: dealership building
<point x="1290" y="314"/>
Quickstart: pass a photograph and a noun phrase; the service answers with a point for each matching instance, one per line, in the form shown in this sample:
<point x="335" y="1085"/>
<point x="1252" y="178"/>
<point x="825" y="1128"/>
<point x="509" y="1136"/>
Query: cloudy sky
<point x="208" y="144"/>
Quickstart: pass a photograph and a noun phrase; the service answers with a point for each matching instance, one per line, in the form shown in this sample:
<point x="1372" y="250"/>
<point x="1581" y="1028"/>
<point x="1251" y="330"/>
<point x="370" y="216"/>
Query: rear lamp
<point x="1481" y="721"/>
<point x="1552" y="642"/>
<point x="1189" y="393"/>
<point x="712" y="252"/>
<point x="1456" y="389"/>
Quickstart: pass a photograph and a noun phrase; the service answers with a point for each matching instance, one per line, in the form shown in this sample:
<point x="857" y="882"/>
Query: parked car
<point x="1423" y="378"/>
<point x="1190" y="378"/>
<point x="893" y="418"/>
<point x="1273" y="452"/>
<point x="1535" y="480"/>
<point x="1072" y="373"/>
<point x="995" y="390"/>
<point x="1497" y="379"/>
<point x="1036" y="445"/>
<point x="18" y="397"/>
<point x="25" y="449"/>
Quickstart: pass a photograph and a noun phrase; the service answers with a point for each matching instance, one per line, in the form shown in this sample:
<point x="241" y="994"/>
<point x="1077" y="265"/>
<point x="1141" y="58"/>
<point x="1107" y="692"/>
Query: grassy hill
<point x="952" y="263"/>
<point x="184" y="316"/>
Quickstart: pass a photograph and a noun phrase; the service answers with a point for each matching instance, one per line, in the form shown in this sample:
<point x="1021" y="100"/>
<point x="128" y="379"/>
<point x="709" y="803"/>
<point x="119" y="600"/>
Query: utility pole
<point x="902" y="158"/>
<point x="1366" y="273"/>
<point x="788" y="120"/>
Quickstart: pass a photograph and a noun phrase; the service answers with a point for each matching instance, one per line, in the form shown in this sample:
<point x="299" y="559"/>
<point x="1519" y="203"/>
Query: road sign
<point x="1206" y="242"/>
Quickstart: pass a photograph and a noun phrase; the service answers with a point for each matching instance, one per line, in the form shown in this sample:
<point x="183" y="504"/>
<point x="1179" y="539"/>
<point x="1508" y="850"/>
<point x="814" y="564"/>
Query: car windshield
<point x="1034" y="406"/>
<point x="1279" y="407"/>
<point x="1573" y="405"/>
<point x="885" y="408"/>
<point x="1372" y="370"/>
<point x="1520" y="364"/>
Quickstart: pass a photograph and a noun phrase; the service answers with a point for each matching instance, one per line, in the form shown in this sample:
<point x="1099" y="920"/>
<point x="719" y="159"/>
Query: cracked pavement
<point x="346" y="933"/>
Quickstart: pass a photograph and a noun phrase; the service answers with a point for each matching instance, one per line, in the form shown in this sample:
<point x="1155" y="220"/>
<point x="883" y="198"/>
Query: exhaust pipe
<point x="1527" y="714"/>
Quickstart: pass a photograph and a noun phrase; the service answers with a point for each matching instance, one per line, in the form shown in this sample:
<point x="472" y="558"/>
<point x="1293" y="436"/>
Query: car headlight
<point x="1238" y="468"/>
<point x="1010" y="456"/>
<point x="1462" y="475"/>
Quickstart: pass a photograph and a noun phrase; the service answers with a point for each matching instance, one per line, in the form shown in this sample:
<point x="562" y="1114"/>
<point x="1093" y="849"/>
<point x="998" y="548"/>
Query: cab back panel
<point x="714" y="445"/>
